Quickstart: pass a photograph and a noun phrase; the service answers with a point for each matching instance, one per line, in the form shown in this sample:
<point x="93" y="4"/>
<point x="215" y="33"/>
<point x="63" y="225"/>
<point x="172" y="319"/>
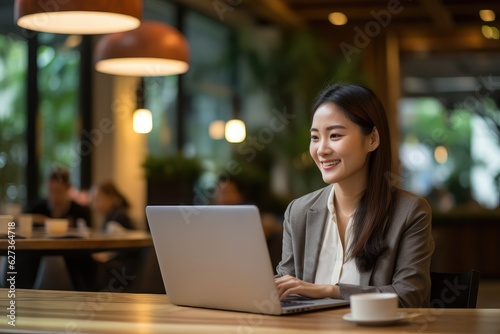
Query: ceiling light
<point x="142" y="121"/>
<point x="153" y="49"/>
<point x="487" y="15"/>
<point x="216" y="129"/>
<point x="487" y="31"/>
<point x="78" y="17"/>
<point x="235" y="131"/>
<point x="441" y="154"/>
<point x="337" y="18"/>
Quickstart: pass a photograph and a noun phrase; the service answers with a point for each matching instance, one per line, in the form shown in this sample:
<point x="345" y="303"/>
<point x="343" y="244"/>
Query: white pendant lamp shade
<point x="153" y="49"/>
<point x="78" y="16"/>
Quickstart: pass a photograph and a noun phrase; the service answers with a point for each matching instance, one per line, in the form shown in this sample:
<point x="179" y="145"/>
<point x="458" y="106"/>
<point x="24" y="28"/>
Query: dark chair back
<point x="454" y="290"/>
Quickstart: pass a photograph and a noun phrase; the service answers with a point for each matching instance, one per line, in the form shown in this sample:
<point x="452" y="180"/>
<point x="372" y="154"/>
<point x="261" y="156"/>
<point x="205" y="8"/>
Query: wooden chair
<point x="454" y="290"/>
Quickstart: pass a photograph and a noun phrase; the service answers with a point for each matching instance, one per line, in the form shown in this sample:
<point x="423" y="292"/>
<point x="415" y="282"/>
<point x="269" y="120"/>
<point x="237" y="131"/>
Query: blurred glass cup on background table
<point x="56" y="226"/>
<point x="25" y="225"/>
<point x="4" y="224"/>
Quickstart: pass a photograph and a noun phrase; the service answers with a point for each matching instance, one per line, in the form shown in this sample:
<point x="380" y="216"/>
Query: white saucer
<point x="378" y="322"/>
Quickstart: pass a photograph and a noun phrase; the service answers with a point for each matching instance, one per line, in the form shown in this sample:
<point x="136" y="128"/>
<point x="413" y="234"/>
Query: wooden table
<point x="95" y="242"/>
<point x="104" y="312"/>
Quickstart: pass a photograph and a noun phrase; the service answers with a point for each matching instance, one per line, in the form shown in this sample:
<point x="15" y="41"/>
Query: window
<point x="450" y="156"/>
<point x="13" y="64"/>
<point x="161" y="92"/>
<point x="161" y="99"/>
<point x="58" y="85"/>
<point x="208" y="87"/>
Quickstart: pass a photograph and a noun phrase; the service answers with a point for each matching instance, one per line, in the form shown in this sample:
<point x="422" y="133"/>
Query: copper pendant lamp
<point x="78" y="16"/>
<point x="153" y="49"/>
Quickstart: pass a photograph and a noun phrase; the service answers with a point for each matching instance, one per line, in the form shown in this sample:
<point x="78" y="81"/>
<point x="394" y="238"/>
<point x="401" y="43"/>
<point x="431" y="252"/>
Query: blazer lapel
<point x="365" y="277"/>
<point x="315" y="226"/>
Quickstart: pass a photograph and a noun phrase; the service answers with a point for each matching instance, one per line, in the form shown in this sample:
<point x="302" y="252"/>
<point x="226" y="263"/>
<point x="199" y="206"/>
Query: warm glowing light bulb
<point x="235" y="131"/>
<point x="495" y="33"/>
<point x="441" y="154"/>
<point x="487" y="32"/>
<point x="143" y="121"/>
<point x="216" y="129"/>
<point x="487" y="15"/>
<point x="337" y="18"/>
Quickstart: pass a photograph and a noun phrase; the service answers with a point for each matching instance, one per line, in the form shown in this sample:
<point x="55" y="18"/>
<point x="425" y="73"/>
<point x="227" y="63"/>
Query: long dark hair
<point x="109" y="189"/>
<point x="363" y="107"/>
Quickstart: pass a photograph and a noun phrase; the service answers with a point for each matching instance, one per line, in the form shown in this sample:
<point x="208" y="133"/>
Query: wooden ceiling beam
<point x="360" y="13"/>
<point x="276" y="11"/>
<point x="440" y="14"/>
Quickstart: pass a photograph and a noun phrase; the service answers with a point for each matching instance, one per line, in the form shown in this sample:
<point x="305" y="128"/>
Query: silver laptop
<point x="216" y="257"/>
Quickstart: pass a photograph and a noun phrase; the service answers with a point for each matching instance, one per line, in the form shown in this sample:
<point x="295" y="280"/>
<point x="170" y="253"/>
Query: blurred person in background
<point x="58" y="203"/>
<point x="112" y="207"/>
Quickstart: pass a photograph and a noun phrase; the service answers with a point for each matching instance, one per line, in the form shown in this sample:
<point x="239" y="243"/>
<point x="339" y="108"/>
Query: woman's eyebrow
<point x="331" y="127"/>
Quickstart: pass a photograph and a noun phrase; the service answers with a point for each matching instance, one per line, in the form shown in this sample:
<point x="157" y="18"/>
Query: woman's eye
<point x="335" y="136"/>
<point x="314" y="137"/>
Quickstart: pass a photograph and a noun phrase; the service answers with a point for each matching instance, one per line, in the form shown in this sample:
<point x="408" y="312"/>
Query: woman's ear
<point x="374" y="140"/>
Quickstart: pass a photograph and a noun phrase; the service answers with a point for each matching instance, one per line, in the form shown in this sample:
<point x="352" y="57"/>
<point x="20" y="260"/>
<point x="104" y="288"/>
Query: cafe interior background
<point x="434" y="63"/>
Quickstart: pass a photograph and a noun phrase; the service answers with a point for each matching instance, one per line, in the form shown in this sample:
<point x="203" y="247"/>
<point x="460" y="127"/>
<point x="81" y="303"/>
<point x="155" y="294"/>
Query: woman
<point x="360" y="233"/>
<point x="109" y="203"/>
<point x="112" y="206"/>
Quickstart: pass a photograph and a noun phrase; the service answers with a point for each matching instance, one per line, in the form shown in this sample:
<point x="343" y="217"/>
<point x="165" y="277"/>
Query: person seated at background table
<point x="112" y="206"/>
<point x="360" y="233"/>
<point x="230" y="191"/>
<point x="58" y="203"/>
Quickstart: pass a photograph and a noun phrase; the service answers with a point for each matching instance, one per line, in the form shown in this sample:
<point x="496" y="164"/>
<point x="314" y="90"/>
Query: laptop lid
<point x="215" y="257"/>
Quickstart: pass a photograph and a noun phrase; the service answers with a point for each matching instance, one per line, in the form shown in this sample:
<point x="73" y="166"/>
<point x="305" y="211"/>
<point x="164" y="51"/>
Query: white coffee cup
<point x="25" y="225"/>
<point x="4" y="224"/>
<point x="374" y="306"/>
<point x="56" y="226"/>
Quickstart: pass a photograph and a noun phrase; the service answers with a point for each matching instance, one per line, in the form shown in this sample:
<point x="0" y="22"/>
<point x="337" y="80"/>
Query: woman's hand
<point x="288" y="285"/>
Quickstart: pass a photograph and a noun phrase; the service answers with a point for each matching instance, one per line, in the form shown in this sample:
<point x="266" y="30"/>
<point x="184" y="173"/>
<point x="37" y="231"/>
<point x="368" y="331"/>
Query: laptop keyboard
<point x="288" y="303"/>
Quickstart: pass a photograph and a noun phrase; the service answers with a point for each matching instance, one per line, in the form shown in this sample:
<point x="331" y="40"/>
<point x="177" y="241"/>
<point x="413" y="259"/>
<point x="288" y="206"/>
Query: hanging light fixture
<point x="143" y="118"/>
<point x="142" y="121"/>
<point x="78" y="17"/>
<point x="216" y="129"/>
<point x="235" y="131"/>
<point x="153" y="49"/>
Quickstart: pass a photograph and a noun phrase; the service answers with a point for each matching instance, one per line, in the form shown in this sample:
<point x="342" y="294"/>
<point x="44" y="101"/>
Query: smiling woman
<point x="360" y="233"/>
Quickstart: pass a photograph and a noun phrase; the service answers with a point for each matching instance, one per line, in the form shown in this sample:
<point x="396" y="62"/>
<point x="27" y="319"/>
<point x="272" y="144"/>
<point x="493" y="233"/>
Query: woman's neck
<point x="347" y="196"/>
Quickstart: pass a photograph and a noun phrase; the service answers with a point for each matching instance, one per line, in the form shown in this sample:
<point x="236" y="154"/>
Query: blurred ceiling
<point x="438" y="39"/>
<point x="440" y="14"/>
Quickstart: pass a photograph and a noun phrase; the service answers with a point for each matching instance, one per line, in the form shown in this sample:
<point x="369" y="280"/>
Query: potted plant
<point x="171" y="179"/>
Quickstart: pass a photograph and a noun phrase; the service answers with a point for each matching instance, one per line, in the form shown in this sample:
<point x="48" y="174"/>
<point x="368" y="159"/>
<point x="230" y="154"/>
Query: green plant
<point x="173" y="168"/>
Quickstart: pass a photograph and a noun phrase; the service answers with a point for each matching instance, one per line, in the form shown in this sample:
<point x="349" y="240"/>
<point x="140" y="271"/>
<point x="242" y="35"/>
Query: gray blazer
<point x="404" y="268"/>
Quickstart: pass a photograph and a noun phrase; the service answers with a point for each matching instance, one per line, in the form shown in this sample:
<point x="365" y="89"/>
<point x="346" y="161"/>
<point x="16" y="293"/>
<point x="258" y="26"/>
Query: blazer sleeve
<point x="287" y="263"/>
<point x="411" y="269"/>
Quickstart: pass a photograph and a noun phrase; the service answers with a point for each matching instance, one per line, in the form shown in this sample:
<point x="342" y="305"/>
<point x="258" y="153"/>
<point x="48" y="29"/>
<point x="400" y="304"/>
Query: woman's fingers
<point x="288" y="285"/>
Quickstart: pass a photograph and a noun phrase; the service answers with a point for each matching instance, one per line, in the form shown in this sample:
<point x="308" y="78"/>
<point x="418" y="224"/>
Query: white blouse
<point x="333" y="266"/>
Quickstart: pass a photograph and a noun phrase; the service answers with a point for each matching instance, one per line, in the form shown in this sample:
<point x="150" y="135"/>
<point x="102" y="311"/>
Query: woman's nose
<point x="324" y="148"/>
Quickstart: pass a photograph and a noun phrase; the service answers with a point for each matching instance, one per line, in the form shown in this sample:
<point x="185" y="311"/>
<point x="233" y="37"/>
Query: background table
<point x="105" y="312"/>
<point x="95" y="242"/>
<point x="56" y="273"/>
